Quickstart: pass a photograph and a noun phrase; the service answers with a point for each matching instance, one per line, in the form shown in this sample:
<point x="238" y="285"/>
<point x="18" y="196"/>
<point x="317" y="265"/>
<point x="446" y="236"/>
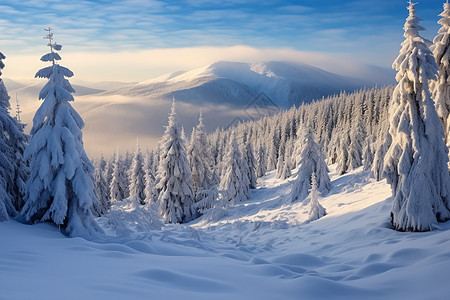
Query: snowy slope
<point x="237" y="83"/>
<point x="258" y="250"/>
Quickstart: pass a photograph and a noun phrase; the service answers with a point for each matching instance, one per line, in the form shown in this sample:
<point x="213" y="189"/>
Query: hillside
<point x="259" y="249"/>
<point x="285" y="84"/>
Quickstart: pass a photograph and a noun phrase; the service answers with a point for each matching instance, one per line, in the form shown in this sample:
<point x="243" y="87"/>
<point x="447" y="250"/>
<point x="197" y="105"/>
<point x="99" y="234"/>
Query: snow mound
<point x="129" y="216"/>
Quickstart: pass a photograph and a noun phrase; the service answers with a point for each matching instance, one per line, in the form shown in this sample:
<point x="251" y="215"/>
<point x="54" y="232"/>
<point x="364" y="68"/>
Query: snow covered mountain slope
<point x="260" y="249"/>
<point x="283" y="83"/>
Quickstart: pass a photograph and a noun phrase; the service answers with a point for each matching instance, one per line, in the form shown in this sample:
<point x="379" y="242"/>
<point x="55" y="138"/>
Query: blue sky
<point x="367" y="31"/>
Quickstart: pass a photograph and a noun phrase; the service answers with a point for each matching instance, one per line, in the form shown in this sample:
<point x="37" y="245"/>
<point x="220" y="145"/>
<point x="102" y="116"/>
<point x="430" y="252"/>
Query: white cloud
<point x="141" y="65"/>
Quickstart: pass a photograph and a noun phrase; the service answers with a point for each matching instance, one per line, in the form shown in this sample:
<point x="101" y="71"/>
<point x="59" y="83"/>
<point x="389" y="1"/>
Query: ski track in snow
<point x="260" y="249"/>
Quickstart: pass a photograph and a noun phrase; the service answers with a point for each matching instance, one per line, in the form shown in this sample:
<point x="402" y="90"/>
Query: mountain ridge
<point x="238" y="83"/>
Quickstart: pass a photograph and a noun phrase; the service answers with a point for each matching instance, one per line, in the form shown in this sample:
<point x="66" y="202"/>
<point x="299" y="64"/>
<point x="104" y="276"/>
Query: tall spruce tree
<point x="118" y="184"/>
<point x="13" y="168"/>
<point x="174" y="179"/>
<point x="201" y="164"/>
<point x="280" y="161"/>
<point x="137" y="176"/>
<point x="101" y="188"/>
<point x="368" y="156"/>
<point x="288" y="165"/>
<point x="234" y="183"/>
<point x="311" y="161"/>
<point x="261" y="161"/>
<point x="250" y="161"/>
<point x="441" y="87"/>
<point x="199" y="156"/>
<point x="378" y="160"/>
<point x="6" y="166"/>
<point x="416" y="162"/>
<point x="315" y="209"/>
<point x="60" y="187"/>
<point x="109" y="169"/>
<point x="150" y="194"/>
<point x="355" y="152"/>
<point x="343" y="153"/>
<point x="125" y="165"/>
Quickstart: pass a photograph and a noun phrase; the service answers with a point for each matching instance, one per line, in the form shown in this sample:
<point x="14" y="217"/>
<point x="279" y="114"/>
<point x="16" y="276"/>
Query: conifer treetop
<point x="200" y="124"/>
<point x="445" y="14"/>
<point x="440" y="42"/>
<point x="57" y="90"/>
<point x="412" y="26"/>
<point x="440" y="87"/>
<point x="415" y="62"/>
<point x="52" y="56"/>
<point x="58" y="72"/>
<point x="172" y="113"/>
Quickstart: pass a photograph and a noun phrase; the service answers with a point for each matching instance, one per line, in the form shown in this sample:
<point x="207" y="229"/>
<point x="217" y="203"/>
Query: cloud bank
<point x="140" y="65"/>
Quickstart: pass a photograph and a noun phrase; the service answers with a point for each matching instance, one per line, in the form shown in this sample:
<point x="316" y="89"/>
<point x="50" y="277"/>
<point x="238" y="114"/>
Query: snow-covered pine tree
<point x="287" y="166"/>
<point x="199" y="156"/>
<point x="183" y="134"/>
<point x="380" y="154"/>
<point x="200" y="162"/>
<point x="384" y="140"/>
<point x="101" y="188"/>
<point x="119" y="180"/>
<point x="155" y="161"/>
<point x="245" y="170"/>
<point x="234" y="184"/>
<point x="298" y="146"/>
<point x="13" y="168"/>
<point x="125" y="166"/>
<point x="334" y="145"/>
<point x="280" y="161"/>
<point x="150" y="194"/>
<point x="367" y="156"/>
<point x="261" y="161"/>
<point x="272" y="154"/>
<point x="284" y="135"/>
<point x="174" y="178"/>
<point x="6" y="165"/>
<point x="249" y="158"/>
<point x="343" y="155"/>
<point x="311" y="160"/>
<point x="215" y="178"/>
<point x="416" y="162"/>
<point x="4" y="216"/>
<point x="22" y="171"/>
<point x="60" y="187"/>
<point x="137" y="175"/>
<point x="355" y="152"/>
<point x="18" y="111"/>
<point x="441" y="87"/>
<point x="109" y="169"/>
<point x="315" y="209"/>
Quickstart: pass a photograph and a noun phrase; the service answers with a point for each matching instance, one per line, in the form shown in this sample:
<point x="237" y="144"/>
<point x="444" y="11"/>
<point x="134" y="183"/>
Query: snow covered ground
<point x="260" y="249"/>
